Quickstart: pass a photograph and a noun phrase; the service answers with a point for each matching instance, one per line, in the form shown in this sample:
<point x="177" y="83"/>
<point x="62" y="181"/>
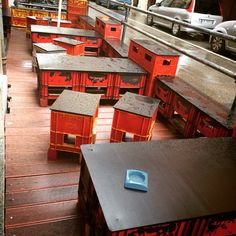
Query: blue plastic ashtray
<point x="136" y="179"/>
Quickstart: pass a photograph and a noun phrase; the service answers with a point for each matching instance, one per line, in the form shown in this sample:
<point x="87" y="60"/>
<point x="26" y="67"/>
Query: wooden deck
<point x="42" y="195"/>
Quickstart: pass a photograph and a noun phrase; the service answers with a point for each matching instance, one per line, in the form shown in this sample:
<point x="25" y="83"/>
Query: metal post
<point x="127" y="11"/>
<point x="2" y="51"/>
<point x="59" y="13"/>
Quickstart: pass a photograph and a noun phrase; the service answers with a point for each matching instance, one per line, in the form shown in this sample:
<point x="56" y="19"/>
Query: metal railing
<point x="181" y="50"/>
<point x="179" y="22"/>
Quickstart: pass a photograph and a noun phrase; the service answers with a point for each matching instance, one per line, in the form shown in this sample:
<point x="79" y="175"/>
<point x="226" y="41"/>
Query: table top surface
<point x="69" y="41"/>
<point x="48" y="47"/>
<point x="108" y="20"/>
<point x="89" y="20"/>
<point x="187" y="178"/>
<point x="76" y="103"/>
<point x="62" y="21"/>
<point x="138" y="104"/>
<point x="60" y="62"/>
<point x="202" y="101"/>
<point x="40" y="5"/>
<point x="36" y="8"/>
<point x="64" y="31"/>
<point x="155" y="47"/>
<point x="118" y="46"/>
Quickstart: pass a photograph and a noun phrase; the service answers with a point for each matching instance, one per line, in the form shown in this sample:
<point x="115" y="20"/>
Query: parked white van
<point x="203" y="13"/>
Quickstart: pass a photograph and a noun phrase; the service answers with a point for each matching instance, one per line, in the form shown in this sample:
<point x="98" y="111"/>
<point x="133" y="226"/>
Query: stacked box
<point x="73" y="117"/>
<point x="155" y="59"/>
<point x="134" y="114"/>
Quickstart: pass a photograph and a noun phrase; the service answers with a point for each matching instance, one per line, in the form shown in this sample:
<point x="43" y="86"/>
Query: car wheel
<point x="108" y="4"/>
<point x="149" y="20"/>
<point x="175" y="30"/>
<point x="217" y="44"/>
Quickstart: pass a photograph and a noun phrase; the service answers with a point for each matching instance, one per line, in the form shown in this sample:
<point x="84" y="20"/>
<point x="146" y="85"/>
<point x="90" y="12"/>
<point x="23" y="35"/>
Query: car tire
<point x="108" y="5"/>
<point x="149" y="20"/>
<point x="217" y="44"/>
<point x="175" y="29"/>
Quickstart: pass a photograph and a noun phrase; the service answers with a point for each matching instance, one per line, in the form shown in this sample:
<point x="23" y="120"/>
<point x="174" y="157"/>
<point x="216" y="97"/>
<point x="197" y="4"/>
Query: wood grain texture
<point x="41" y="213"/>
<point x="68" y="227"/>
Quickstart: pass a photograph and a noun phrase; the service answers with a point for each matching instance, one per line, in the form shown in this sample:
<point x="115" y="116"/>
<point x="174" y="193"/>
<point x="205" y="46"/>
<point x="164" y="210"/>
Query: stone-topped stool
<point x="73" y="118"/>
<point x="72" y="46"/>
<point x="108" y="28"/>
<point x="135" y="114"/>
<point x="155" y="58"/>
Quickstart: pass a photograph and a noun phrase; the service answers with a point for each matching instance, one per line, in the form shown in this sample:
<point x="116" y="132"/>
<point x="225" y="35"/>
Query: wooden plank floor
<point x="42" y="195"/>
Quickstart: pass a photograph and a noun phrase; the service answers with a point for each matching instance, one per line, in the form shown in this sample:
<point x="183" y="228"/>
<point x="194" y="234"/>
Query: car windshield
<point x="207" y="7"/>
<point x="176" y="3"/>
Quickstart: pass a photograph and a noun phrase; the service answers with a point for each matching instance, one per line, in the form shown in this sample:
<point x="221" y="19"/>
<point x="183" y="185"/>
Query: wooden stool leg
<point x="43" y="102"/>
<point x="52" y="154"/>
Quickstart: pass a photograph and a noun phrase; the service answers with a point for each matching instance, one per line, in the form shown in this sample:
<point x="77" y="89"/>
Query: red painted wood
<point x="25" y="157"/>
<point x="41" y="213"/>
<point x="42" y="196"/>
<point x="108" y="28"/>
<point x="68" y="227"/>
<point x="41" y="182"/>
<point x="18" y="170"/>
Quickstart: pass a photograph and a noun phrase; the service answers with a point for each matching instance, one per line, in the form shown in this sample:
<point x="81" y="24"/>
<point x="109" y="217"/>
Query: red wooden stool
<point x="73" y="117"/>
<point x="134" y="114"/>
<point x="72" y="46"/>
<point x="155" y="58"/>
<point x="108" y="28"/>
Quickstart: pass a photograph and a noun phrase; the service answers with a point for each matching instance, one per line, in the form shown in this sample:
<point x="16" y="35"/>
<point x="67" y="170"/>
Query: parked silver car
<point x="110" y="4"/>
<point x="203" y="13"/>
<point x="220" y="45"/>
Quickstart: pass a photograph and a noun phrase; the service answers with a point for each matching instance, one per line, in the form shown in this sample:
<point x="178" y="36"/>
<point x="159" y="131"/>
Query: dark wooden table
<point x="115" y="48"/>
<point x="190" y="181"/>
<point x="63" y="31"/>
<point x="46" y="34"/>
<point x="110" y="77"/>
<point x="60" y="62"/>
<point x="42" y="6"/>
<point x="201" y="111"/>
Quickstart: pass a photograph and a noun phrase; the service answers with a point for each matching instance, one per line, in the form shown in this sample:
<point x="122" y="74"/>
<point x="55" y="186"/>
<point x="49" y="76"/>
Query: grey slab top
<point x="138" y="104"/>
<point x="118" y="46"/>
<point x="76" y="103"/>
<point x="62" y="21"/>
<point x="108" y="20"/>
<point x="64" y="31"/>
<point x="155" y="47"/>
<point x="62" y="62"/>
<point x="69" y="41"/>
<point x="89" y="20"/>
<point x="48" y="47"/>
<point x="202" y="101"/>
<point x="187" y="178"/>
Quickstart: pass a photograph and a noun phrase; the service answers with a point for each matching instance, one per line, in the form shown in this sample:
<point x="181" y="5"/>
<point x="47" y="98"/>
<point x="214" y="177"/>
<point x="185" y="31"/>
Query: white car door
<point x="232" y="31"/>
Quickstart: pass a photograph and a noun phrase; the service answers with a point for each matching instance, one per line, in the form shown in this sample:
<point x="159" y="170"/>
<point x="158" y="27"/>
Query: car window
<point x="166" y="3"/>
<point x="208" y="7"/>
<point x="181" y="3"/>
